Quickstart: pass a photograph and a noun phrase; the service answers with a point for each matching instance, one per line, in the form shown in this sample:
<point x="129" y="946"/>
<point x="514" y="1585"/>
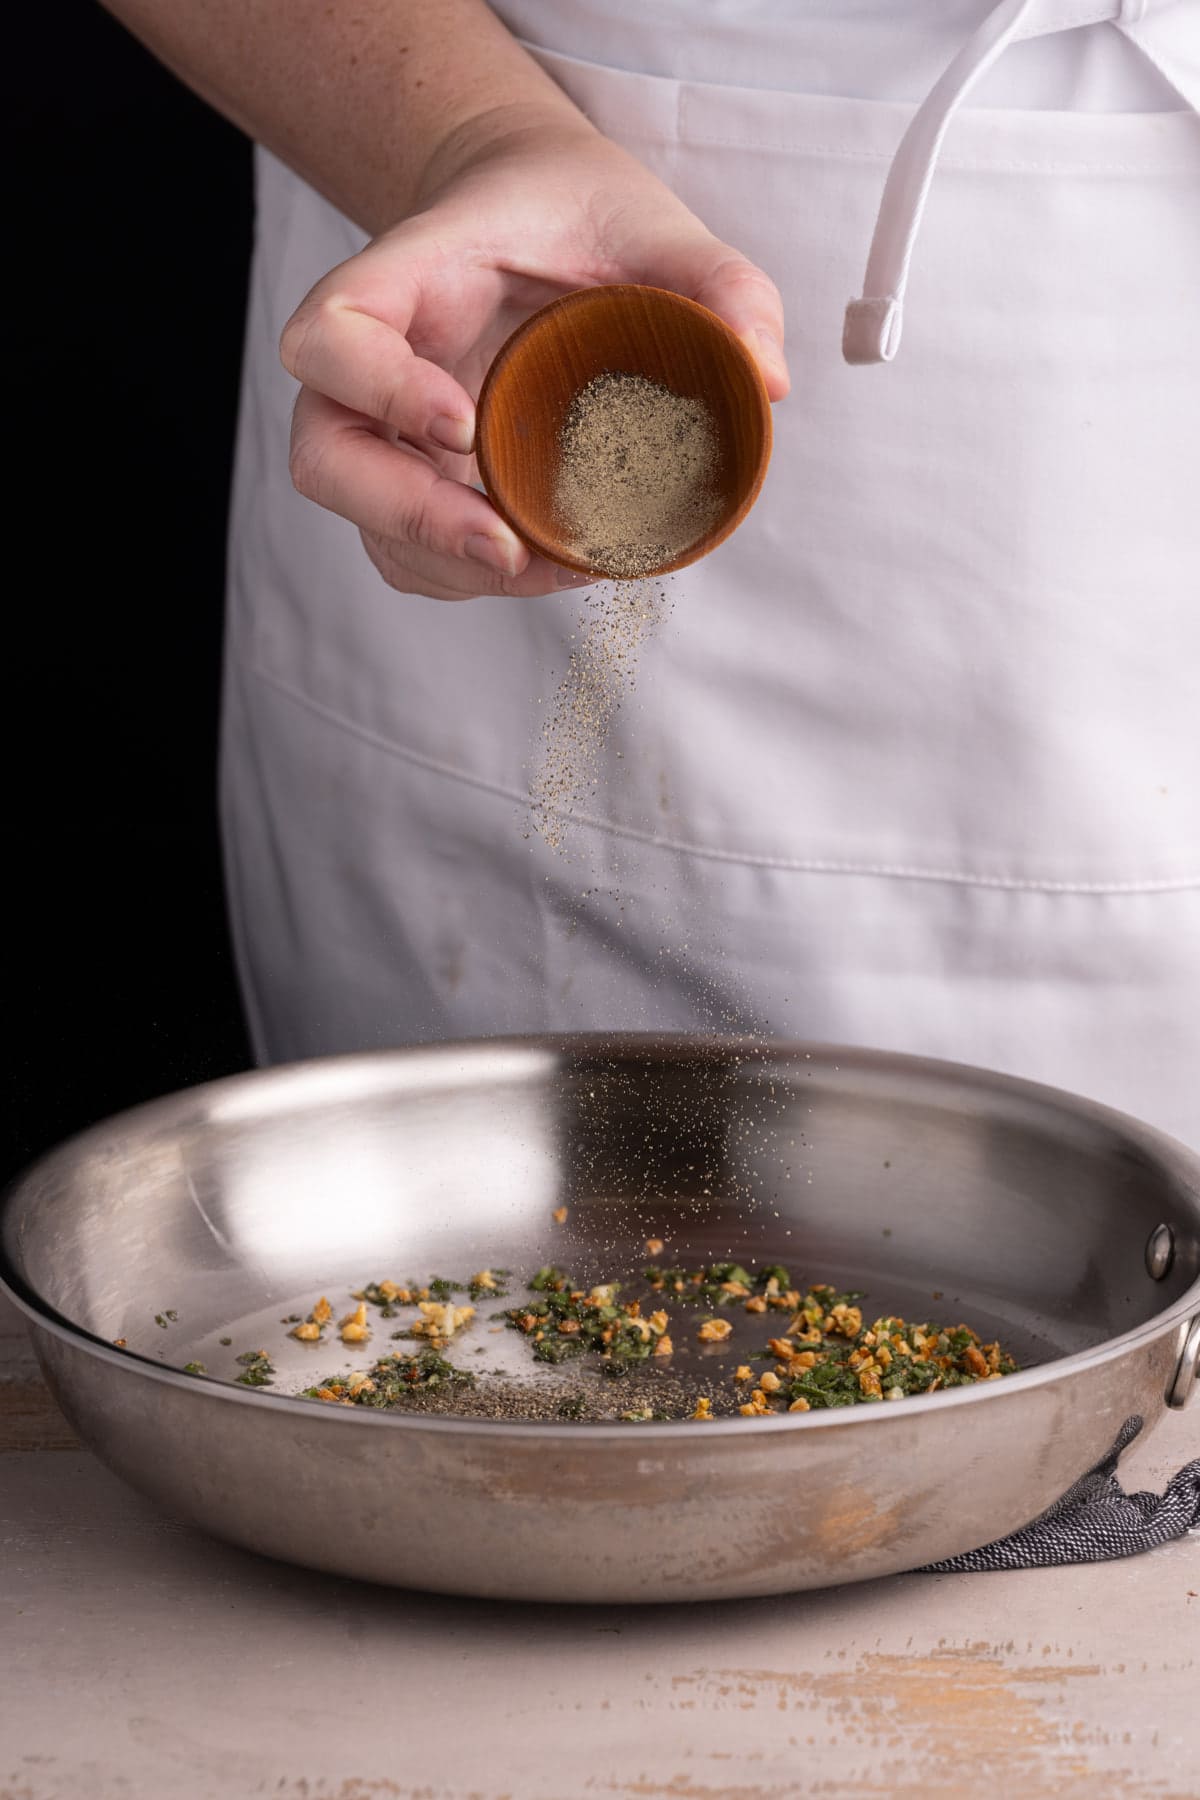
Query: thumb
<point x="719" y="277"/>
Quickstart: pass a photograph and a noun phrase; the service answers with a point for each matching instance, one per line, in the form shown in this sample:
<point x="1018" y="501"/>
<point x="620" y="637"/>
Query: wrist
<point x="509" y="129"/>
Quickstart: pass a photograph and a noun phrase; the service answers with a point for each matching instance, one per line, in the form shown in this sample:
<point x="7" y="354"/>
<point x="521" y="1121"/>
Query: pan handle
<point x="1183" y="1386"/>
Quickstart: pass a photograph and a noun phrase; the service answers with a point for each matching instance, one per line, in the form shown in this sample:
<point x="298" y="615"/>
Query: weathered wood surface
<point x="141" y="1659"/>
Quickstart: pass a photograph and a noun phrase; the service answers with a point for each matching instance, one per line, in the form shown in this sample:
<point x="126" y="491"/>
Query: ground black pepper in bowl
<point x="637" y="480"/>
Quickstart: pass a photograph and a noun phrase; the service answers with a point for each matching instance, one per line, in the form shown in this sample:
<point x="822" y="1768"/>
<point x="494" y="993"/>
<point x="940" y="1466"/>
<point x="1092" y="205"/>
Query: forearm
<point x="366" y="102"/>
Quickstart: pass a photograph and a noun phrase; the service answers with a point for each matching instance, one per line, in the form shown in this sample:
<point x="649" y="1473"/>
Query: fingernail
<point x="453" y="434"/>
<point x="498" y="552"/>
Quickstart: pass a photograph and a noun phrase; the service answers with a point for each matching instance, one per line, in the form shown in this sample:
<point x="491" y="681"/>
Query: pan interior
<point x="942" y="1193"/>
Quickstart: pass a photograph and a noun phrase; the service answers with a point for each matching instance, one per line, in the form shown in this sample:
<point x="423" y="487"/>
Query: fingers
<point x="414" y="571"/>
<point x="362" y="389"/>
<point x="367" y="365"/>
<point x="424" y="532"/>
<point x="749" y="301"/>
<point x="341" y="462"/>
<point x="736" y="290"/>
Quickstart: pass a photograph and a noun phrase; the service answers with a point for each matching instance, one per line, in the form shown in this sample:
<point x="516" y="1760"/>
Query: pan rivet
<point x="1160" y="1252"/>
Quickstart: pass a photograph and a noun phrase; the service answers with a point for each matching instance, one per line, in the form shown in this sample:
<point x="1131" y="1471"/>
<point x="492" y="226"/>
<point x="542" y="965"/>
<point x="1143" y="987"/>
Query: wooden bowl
<point x="619" y="329"/>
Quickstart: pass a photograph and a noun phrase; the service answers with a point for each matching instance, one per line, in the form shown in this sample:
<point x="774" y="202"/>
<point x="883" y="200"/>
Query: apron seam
<point x="689" y="97"/>
<point x="965" y="165"/>
<point x="745" y="859"/>
<point x="1186" y="167"/>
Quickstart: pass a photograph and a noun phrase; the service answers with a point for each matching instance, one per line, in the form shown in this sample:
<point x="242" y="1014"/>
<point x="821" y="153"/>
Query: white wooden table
<point x="143" y="1660"/>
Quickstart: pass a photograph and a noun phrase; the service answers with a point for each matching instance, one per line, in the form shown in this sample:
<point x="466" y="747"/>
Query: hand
<point x="392" y="346"/>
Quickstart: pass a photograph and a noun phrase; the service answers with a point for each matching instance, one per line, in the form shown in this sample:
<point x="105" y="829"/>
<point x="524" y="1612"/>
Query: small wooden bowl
<point x="619" y="329"/>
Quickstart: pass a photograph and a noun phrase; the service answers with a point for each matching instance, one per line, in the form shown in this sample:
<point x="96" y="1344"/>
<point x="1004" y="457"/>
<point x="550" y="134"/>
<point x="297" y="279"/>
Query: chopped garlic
<point x="354" y="1327"/>
<point x="443" y="1319"/>
<point x="715" y="1331"/>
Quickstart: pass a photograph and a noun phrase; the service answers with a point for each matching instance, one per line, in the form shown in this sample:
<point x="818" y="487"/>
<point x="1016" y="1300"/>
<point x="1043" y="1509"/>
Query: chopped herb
<point x="257" y="1368"/>
<point x="225" y="1341"/>
<point x="549" y="1278"/>
<point x="388" y="1296"/>
<point x="173" y="1316"/>
<point x="833" y="1358"/>
<point x="441" y="1289"/>
<point x="488" y="1285"/>
<point x="194" y="1368"/>
<point x="569" y="1321"/>
<point x="731" y="1284"/>
<point x="373" y="1291"/>
<point x="392" y="1380"/>
<point x="721" y="1284"/>
<point x="160" y="1319"/>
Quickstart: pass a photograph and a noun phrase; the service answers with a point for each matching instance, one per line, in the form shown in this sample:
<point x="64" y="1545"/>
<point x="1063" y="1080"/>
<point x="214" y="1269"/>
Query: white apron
<point x="914" y="761"/>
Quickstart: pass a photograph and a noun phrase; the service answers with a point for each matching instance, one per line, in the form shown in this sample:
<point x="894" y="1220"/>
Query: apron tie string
<point x="873" y="324"/>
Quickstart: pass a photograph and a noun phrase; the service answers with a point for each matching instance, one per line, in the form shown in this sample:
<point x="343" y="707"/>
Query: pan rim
<point x="551" y="1048"/>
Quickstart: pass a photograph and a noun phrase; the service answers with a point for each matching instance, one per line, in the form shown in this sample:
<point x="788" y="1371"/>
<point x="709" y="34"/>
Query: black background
<point x="128" y="260"/>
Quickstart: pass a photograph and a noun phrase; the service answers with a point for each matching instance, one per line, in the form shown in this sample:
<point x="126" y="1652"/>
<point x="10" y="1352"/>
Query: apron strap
<point x="1142" y="25"/>
<point x="871" y="333"/>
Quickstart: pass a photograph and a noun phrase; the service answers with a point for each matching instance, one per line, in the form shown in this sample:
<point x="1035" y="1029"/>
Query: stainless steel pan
<point x="1071" y="1231"/>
